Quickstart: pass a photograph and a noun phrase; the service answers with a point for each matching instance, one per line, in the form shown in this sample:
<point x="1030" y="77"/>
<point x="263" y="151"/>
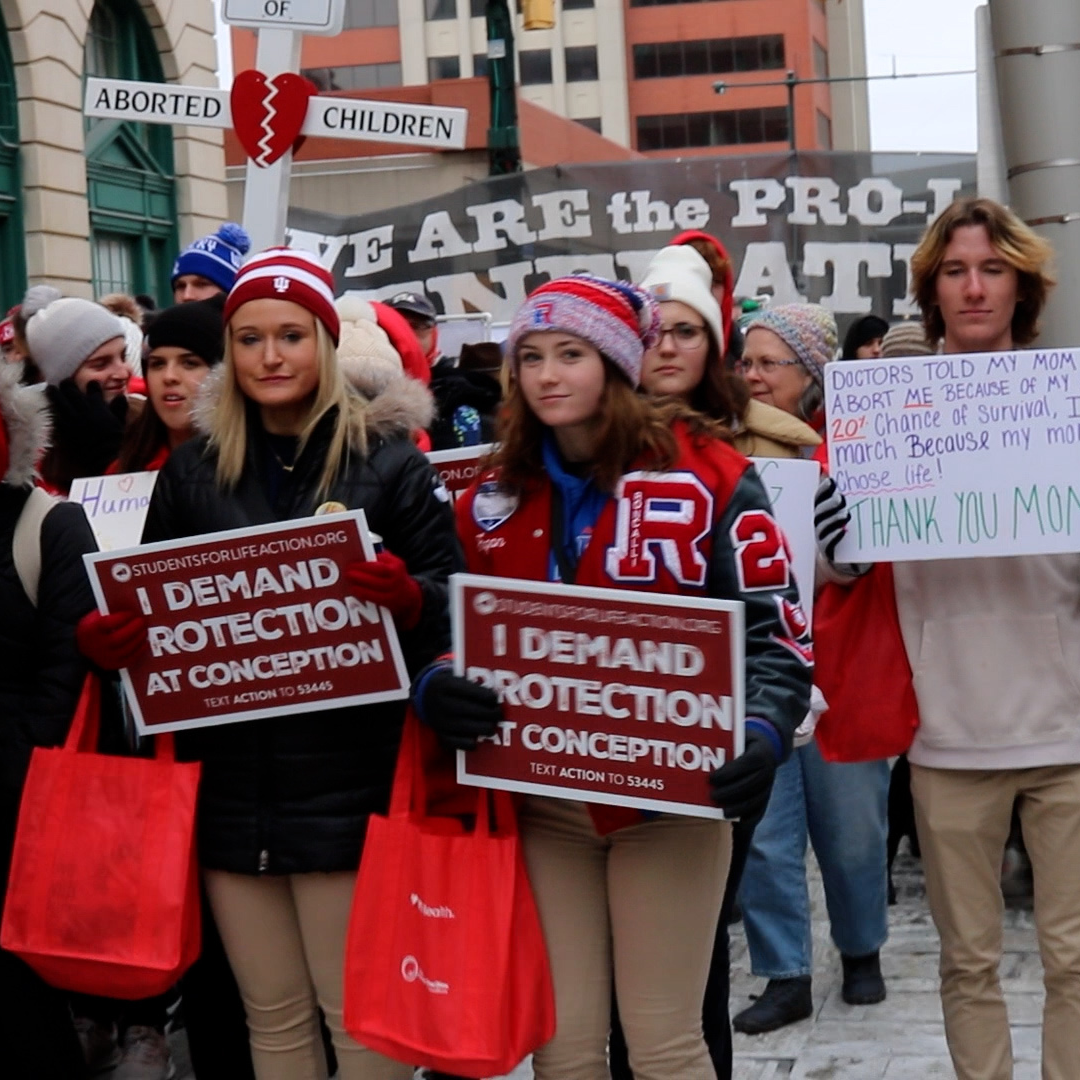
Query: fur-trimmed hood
<point x="24" y="413"/>
<point x="396" y="405"/>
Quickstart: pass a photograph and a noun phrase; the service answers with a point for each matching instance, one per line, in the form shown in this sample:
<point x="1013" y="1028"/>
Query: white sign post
<point x="281" y="25"/>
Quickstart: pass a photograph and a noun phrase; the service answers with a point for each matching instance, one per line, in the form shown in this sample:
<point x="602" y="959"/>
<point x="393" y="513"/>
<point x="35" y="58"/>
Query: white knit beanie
<point x="365" y="355"/>
<point x="679" y="273"/>
<point x="65" y="332"/>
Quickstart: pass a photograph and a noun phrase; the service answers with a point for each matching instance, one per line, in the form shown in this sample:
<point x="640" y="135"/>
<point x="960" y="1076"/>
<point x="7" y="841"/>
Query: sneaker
<point x="863" y="984"/>
<point x="144" y="1055"/>
<point x="783" y="1002"/>
<point x="98" y="1042"/>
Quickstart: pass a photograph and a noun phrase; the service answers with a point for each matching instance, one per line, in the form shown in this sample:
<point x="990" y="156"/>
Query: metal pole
<point x="504" y="150"/>
<point x="791" y="81"/>
<point x="1037" y="48"/>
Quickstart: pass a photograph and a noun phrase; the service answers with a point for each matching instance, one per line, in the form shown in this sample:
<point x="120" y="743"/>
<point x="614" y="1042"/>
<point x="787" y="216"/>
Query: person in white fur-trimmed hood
<point x="41" y="674"/>
<point x="284" y="801"/>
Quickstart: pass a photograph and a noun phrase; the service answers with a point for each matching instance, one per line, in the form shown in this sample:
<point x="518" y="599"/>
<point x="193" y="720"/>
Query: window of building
<point x="480" y="65"/>
<point x="440" y="9"/>
<point x="824" y="131"/>
<point x="591" y="122"/>
<point x="571" y="5"/>
<point x="730" y="127"/>
<point x="129" y="167"/>
<point x="535" y="66"/>
<point x="713" y="56"/>
<point x="821" y="61"/>
<point x="12" y="247"/>
<point x="443" y="67"/>
<point x="355" y="76"/>
<point x="581" y="65"/>
<point x="360" y="14"/>
<point x="478" y="9"/>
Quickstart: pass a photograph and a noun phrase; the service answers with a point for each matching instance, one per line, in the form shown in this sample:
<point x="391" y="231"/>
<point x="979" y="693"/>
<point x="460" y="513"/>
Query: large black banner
<point x="833" y="228"/>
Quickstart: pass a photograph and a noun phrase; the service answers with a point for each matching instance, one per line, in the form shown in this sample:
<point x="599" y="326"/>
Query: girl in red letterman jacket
<point x="600" y="486"/>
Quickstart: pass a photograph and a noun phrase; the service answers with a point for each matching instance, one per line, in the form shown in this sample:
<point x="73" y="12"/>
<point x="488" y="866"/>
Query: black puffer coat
<point x="41" y="670"/>
<point x="292" y="794"/>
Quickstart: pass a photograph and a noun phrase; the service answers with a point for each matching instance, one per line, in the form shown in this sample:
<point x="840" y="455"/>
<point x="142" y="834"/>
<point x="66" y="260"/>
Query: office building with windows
<point x="99" y="206"/>
<point x="640" y="72"/>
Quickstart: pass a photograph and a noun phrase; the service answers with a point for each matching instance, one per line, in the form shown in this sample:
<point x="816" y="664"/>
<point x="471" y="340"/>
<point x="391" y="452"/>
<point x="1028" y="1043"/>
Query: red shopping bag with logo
<point x="861" y="666"/>
<point x="103" y="891"/>
<point x="445" y="963"/>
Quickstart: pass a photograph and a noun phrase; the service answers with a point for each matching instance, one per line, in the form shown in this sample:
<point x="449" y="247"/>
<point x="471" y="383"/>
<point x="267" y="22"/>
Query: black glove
<point x="831" y="516"/>
<point x="741" y="787"/>
<point x="460" y="712"/>
<point x="85" y="427"/>
<point x="831" y="519"/>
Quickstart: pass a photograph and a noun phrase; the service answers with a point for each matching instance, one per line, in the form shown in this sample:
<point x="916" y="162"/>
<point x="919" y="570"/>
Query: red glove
<point x="111" y="641"/>
<point x="386" y="582"/>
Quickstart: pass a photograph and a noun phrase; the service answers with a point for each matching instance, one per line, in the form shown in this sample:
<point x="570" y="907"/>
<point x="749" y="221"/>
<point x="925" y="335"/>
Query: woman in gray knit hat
<point x="78" y="347"/>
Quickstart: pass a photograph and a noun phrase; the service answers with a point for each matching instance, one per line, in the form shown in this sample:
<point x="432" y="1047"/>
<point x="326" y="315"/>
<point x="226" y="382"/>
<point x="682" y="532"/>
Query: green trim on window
<point x="12" y="237"/>
<point x="130" y="172"/>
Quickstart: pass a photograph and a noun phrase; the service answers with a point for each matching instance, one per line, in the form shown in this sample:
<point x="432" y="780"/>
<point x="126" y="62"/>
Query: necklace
<point x="287" y="468"/>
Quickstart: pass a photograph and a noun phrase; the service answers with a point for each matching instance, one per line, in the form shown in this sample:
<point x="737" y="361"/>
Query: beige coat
<point x="770" y="432"/>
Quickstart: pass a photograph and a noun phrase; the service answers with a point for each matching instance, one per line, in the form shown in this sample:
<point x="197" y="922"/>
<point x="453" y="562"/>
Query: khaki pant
<point x="641" y="903"/>
<point x="285" y="939"/>
<point x="963" y="818"/>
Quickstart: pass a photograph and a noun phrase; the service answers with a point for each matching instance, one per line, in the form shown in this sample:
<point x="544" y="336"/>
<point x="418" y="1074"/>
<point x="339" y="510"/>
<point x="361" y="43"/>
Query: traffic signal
<point x="538" y="14"/>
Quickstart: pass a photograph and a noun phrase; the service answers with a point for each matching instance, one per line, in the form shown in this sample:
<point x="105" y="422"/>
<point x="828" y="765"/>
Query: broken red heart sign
<point x="268" y="114"/>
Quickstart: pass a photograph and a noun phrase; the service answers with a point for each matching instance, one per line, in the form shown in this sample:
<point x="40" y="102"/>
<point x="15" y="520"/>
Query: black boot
<point x="783" y="1002"/>
<point x="863" y="984"/>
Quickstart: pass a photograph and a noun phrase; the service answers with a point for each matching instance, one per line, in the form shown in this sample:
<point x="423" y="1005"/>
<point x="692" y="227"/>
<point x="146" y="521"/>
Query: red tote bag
<point x="861" y="666"/>
<point x="103" y="891"/>
<point x="445" y="963"/>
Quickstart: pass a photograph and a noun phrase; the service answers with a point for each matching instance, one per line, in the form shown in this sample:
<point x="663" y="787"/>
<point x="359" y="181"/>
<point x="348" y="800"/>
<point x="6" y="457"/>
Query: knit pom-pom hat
<point x="281" y="273"/>
<point x="217" y="257"/>
<point x="618" y="319"/>
<point x="808" y="330"/>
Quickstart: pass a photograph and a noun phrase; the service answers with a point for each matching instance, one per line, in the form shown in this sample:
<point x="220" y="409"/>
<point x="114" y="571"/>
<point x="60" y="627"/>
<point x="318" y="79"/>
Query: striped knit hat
<point x="618" y="319"/>
<point x="280" y="273"/>
<point x="809" y="330"/>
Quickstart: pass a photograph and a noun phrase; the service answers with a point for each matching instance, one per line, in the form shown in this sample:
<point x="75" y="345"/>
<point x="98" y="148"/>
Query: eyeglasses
<point x="684" y="336"/>
<point x="766" y="367"/>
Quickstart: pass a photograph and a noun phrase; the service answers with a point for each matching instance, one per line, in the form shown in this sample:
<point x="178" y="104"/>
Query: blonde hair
<point x="1017" y="244"/>
<point x="229" y="420"/>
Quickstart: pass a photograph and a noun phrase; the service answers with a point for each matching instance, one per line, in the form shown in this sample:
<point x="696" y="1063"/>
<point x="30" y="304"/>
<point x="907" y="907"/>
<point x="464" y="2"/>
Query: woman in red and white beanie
<point x="598" y="485"/>
<point x="284" y="800"/>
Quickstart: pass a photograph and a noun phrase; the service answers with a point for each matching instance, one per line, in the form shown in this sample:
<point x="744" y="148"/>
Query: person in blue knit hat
<point x="208" y="266"/>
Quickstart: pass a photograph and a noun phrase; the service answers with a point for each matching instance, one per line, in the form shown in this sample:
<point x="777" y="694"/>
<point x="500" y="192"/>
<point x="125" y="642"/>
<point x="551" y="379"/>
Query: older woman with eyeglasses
<point x="840" y="808"/>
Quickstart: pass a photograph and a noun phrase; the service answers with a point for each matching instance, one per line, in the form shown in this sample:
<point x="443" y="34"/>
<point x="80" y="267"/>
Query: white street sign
<point x="301" y="16"/>
<point x="433" y="127"/>
<point x="157" y="103"/>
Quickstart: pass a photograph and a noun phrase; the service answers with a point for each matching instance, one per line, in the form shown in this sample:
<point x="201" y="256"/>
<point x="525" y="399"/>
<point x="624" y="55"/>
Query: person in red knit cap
<point x="284" y="800"/>
<point x="624" y="897"/>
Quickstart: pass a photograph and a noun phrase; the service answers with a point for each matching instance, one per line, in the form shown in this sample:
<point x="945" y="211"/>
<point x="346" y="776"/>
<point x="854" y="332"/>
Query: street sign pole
<point x="263" y="126"/>
<point x="266" y="189"/>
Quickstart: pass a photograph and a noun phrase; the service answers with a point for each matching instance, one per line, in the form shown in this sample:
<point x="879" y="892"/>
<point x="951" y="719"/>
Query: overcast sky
<point x="921" y="35"/>
<point x="901" y="35"/>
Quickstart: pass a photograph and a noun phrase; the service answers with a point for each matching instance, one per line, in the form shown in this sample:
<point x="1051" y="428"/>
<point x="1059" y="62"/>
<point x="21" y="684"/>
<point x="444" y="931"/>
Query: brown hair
<point x="142" y="440"/>
<point x="1022" y="248"/>
<point x="718" y="265"/>
<point x="632" y="427"/>
<point x="721" y="395"/>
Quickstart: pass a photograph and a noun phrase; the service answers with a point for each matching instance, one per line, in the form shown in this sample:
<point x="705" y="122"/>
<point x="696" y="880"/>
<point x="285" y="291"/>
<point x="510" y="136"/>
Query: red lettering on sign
<point x="761" y="555"/>
<point x="665" y="514"/>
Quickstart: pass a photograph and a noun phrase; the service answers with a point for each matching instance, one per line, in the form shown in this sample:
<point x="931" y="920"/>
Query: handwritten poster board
<point x="115" y="506"/>
<point x="791" y="486"/>
<point x="251" y="623"/>
<point x="959" y="456"/>
<point x="610" y="696"/>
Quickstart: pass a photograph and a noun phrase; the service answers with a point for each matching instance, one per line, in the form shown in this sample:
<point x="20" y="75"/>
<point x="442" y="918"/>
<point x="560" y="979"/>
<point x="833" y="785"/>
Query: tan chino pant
<point x="285" y="939"/>
<point x="963" y="818"/>
<point x="642" y="903"/>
